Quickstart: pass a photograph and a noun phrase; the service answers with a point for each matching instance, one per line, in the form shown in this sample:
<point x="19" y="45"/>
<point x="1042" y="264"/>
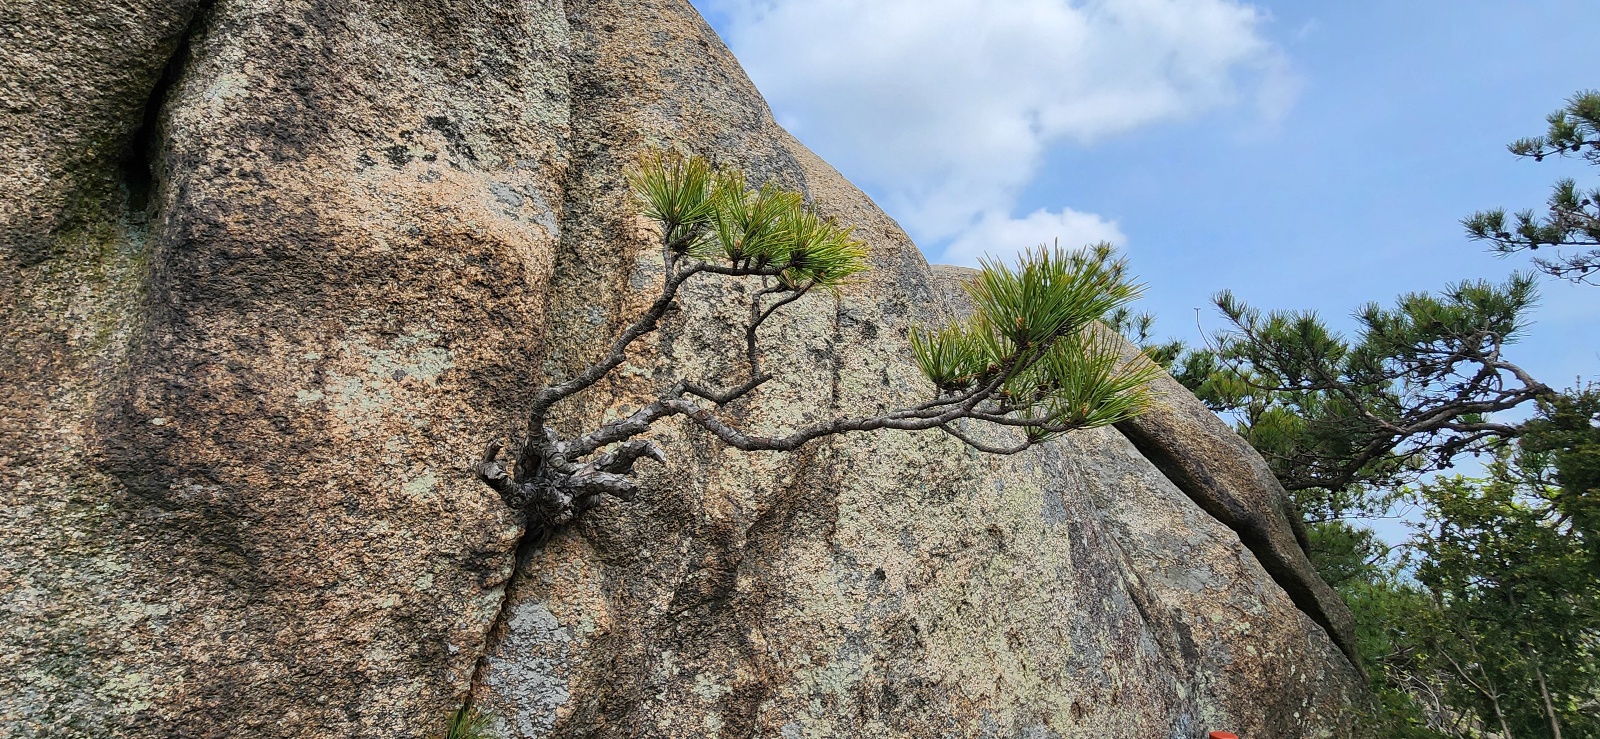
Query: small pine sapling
<point x="1030" y="358"/>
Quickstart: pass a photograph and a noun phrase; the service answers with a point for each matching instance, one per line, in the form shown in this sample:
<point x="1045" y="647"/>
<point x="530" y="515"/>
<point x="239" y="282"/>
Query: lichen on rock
<point x="275" y="272"/>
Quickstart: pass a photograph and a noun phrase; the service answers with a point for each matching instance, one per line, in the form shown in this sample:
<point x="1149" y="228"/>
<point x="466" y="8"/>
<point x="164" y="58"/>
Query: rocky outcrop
<point x="241" y="378"/>
<point x="1218" y="470"/>
<point x="1223" y="475"/>
<point x="273" y="273"/>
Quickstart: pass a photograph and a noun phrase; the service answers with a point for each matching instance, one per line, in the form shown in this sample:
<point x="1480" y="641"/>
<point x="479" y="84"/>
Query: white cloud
<point x="998" y="235"/>
<point x="946" y="108"/>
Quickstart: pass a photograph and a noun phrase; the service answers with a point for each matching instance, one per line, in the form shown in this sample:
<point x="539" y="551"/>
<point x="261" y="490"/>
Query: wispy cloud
<point x="998" y="234"/>
<point x="947" y="108"/>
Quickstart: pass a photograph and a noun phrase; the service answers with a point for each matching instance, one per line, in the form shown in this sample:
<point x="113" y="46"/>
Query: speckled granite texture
<point x="273" y="271"/>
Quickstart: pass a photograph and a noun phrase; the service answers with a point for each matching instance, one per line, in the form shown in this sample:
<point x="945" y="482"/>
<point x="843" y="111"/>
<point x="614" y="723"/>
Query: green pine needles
<point x="1032" y="338"/>
<point x="1337" y="416"/>
<point x="468" y="722"/>
<point x="1572" y="217"/>
<point x="712" y="215"/>
<point x="1032" y="358"/>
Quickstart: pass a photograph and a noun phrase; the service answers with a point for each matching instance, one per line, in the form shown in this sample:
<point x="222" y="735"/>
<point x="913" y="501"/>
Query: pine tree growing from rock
<point x="1029" y="359"/>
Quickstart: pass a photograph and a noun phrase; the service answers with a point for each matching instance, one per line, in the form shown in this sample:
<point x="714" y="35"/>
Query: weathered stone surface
<point x="234" y="434"/>
<point x="1224" y="476"/>
<point x="75" y="616"/>
<point x="1219" y="471"/>
<point x="78" y="79"/>
<point x="881" y="585"/>
<point x="259" y="317"/>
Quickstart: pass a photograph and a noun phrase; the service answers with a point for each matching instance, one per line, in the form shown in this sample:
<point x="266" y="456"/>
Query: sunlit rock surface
<point x="274" y="272"/>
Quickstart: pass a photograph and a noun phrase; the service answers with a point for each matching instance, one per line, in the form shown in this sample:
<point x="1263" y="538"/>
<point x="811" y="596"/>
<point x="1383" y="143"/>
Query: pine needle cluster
<point x="1033" y="336"/>
<point x="468" y="722"/>
<point x="713" y="215"/>
<point x="1415" y="386"/>
<point x="1572" y="218"/>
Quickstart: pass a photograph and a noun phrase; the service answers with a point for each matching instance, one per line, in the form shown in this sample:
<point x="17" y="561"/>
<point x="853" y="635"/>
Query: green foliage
<point x="713" y="215"/>
<point x="1518" y="600"/>
<point x="1344" y="554"/>
<point x="1084" y="382"/>
<point x="1487" y="623"/>
<point x="1033" y="336"/>
<point x="1573" y="214"/>
<point x="1497" y="595"/>
<point x="677" y="192"/>
<point x="1139" y="328"/>
<point x="1386" y="604"/>
<point x="1496" y="602"/>
<point x="1028" y="347"/>
<point x="468" y="722"/>
<point x="1337" y="417"/>
<point x="1560" y="451"/>
<point x="1054" y="293"/>
<point x="820" y="252"/>
<point x="1030" y="359"/>
<point x="749" y="225"/>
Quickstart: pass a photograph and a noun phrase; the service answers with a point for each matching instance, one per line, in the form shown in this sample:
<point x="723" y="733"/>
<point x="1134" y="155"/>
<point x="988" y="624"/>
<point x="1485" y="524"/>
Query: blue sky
<point x="1305" y="155"/>
<point x="1356" y="193"/>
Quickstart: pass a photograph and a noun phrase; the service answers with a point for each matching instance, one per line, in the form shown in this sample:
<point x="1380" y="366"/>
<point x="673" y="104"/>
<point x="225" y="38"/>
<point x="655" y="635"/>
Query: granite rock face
<point x="1222" y="474"/>
<point x="274" y="272"/>
<point x="1219" y="471"/>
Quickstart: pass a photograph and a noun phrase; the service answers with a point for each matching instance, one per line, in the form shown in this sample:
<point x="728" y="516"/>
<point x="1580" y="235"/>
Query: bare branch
<point x="982" y="447"/>
<point x="488" y="469"/>
<point x="615" y="485"/>
<point x="625" y="428"/>
<point x="646" y="323"/>
<point x="727" y="396"/>
<point x="621" y="461"/>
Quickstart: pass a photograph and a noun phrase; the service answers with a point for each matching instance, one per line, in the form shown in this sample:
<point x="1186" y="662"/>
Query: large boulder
<point x="274" y="272"/>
